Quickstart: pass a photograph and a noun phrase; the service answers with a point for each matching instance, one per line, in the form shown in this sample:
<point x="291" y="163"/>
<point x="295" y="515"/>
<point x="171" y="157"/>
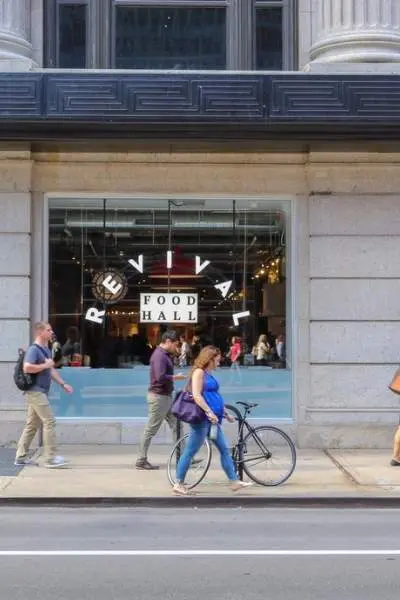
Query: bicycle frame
<point x="244" y="428"/>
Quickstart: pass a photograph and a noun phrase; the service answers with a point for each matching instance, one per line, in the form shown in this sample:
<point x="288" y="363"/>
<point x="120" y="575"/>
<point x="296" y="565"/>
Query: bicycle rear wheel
<point x="198" y="468"/>
<point x="269" y="455"/>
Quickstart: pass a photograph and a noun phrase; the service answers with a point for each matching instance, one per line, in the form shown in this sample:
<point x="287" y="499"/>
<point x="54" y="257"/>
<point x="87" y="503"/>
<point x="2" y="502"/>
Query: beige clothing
<point x="39" y="412"/>
<point x="159" y="409"/>
<point x="262" y="351"/>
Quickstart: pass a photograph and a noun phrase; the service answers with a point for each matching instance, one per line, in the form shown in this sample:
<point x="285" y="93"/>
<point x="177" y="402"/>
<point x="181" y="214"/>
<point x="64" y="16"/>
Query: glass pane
<point x="107" y="362"/>
<point x="72" y="36"/>
<point x="170" y="38"/>
<point x="269" y="51"/>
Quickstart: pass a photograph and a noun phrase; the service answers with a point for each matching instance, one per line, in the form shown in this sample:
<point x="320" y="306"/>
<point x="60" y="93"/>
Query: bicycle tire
<point x="235" y="411"/>
<point x="286" y="442"/>
<point x="200" y="470"/>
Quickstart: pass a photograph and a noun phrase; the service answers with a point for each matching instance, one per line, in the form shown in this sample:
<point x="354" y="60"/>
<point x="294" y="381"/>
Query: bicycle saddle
<point x="247" y="404"/>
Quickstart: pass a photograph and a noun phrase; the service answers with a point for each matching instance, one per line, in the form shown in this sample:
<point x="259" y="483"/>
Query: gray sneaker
<point x="143" y="465"/>
<point x="55" y="463"/>
<point x="25" y="462"/>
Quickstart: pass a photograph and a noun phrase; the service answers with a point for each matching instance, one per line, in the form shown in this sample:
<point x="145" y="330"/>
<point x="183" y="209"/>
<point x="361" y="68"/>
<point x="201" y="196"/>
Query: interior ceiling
<point x="235" y="246"/>
<point x="214" y="232"/>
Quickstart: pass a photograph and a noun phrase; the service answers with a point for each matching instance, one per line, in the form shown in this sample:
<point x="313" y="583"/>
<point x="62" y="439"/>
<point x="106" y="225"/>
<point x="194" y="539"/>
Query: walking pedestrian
<point x="38" y="362"/>
<point x="205" y="391"/>
<point x="159" y="398"/>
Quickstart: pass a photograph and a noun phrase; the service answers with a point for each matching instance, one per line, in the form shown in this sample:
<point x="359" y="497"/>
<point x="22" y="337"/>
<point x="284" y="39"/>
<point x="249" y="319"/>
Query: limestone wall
<point x="346" y="279"/>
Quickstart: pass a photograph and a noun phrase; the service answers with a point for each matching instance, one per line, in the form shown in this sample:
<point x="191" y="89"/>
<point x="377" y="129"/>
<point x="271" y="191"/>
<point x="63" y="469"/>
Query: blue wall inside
<point x="121" y="393"/>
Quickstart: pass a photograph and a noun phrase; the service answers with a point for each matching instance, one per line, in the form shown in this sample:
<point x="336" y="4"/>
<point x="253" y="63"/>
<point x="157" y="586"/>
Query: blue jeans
<point x="198" y="434"/>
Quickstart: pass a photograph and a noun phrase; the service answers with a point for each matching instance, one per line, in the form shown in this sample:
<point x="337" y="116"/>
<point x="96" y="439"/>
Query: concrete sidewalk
<point x="108" y="472"/>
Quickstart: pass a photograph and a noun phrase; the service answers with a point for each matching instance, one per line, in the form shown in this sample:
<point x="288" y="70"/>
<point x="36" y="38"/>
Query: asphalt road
<point x="188" y="554"/>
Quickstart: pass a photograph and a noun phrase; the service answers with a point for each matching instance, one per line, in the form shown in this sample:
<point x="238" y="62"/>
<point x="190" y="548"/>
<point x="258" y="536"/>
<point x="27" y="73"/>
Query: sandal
<point x="241" y="485"/>
<point x="180" y="489"/>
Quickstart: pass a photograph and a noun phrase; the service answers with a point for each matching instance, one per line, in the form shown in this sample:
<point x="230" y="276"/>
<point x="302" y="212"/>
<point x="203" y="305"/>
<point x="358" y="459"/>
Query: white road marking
<point x="206" y="553"/>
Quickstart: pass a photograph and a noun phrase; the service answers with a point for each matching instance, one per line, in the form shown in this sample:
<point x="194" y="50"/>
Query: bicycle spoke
<point x="269" y="456"/>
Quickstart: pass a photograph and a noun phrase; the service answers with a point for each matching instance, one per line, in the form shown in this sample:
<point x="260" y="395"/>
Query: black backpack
<point x="24" y="381"/>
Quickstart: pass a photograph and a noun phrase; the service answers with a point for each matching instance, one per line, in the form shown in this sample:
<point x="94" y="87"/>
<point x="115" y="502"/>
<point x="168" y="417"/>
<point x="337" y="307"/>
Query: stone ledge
<point x="355" y="436"/>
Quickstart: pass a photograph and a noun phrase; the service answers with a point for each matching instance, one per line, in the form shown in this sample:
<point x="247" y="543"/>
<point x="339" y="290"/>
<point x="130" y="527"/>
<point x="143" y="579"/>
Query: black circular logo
<point x="109" y="286"/>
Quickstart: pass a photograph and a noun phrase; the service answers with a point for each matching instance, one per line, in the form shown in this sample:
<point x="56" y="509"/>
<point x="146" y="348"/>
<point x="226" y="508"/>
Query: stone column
<point x="356" y="31"/>
<point x="15" y="35"/>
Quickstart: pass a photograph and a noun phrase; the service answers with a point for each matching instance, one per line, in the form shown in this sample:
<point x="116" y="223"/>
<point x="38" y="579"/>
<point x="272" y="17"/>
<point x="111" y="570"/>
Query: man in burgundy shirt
<point x="159" y="398"/>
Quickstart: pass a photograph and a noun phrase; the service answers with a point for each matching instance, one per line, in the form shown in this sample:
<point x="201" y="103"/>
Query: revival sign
<point x="160" y="308"/>
<point x="168" y="308"/>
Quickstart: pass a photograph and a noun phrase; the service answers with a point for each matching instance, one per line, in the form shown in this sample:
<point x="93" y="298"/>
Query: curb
<point x="207" y="502"/>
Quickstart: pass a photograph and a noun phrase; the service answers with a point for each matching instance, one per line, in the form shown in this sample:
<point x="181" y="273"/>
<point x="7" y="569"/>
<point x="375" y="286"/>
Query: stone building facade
<point x="324" y="139"/>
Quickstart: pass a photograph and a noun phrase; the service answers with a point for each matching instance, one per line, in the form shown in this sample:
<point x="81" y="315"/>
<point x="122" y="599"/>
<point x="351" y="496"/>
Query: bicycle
<point x="249" y="451"/>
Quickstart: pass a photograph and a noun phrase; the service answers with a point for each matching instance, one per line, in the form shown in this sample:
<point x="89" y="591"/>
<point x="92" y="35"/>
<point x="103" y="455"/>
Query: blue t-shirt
<point x="212" y="396"/>
<point x="36" y="355"/>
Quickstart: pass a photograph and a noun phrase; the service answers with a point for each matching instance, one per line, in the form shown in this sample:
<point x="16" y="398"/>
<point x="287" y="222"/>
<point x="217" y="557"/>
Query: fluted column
<point x="357" y="31"/>
<point x="15" y="35"/>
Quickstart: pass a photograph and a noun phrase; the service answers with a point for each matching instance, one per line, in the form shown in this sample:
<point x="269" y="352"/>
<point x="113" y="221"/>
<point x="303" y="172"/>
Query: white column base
<point x="15" y="53"/>
<point x="376" y="46"/>
<point x="350" y="68"/>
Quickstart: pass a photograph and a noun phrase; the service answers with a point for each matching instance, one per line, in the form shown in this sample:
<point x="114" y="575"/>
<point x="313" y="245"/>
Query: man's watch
<point x="63" y="384"/>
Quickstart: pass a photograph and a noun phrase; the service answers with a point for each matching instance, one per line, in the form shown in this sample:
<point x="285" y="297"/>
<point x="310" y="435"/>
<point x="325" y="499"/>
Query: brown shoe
<point x="143" y="465"/>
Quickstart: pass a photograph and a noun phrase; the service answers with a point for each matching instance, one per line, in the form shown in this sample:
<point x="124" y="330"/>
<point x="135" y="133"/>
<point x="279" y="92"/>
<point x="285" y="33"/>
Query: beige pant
<point x="159" y="409"/>
<point x="39" y="412"/>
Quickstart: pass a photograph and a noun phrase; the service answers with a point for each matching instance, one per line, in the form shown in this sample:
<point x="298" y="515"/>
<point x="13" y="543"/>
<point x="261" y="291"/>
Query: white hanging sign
<point x="168" y="308"/>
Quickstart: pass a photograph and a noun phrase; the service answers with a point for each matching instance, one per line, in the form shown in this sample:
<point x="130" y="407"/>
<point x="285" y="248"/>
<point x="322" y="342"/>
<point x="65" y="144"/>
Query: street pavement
<point x="108" y="472"/>
<point x="188" y="554"/>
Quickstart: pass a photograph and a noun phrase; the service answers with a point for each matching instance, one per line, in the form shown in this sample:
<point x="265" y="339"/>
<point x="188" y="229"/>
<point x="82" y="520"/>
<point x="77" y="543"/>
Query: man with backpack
<point x="33" y="375"/>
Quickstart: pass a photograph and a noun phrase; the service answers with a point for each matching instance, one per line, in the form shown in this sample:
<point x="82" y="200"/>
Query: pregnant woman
<point x="205" y="391"/>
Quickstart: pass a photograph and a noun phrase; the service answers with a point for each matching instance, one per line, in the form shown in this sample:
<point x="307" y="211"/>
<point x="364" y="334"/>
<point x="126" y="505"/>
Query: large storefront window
<point x="122" y="271"/>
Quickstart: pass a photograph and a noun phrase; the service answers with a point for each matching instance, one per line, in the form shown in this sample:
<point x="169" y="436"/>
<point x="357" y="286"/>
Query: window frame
<point x="240" y="48"/>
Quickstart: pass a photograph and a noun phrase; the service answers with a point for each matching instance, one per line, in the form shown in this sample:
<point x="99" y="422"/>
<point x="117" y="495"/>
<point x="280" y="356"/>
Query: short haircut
<point x="172" y="336"/>
<point x="40" y="326"/>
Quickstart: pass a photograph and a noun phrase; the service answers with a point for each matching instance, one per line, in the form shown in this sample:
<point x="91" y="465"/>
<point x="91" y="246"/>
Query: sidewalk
<point x="108" y="472"/>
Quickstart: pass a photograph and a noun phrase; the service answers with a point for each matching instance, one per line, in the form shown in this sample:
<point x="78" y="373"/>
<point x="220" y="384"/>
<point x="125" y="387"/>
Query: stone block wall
<point x="346" y="279"/>
<point x="354" y="309"/>
<point x="15" y="272"/>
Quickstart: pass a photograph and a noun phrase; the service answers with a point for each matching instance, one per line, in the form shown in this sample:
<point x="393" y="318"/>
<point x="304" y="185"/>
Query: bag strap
<point x="41" y="349"/>
<point x="188" y="384"/>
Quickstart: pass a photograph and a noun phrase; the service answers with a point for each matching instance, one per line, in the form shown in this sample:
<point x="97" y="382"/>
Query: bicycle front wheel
<point x="198" y="468"/>
<point x="269" y="455"/>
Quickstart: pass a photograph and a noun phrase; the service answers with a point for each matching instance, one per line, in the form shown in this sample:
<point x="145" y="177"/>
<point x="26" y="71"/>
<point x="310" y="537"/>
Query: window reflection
<point x="269" y="48"/>
<point x="170" y="38"/>
<point x="72" y="36"/>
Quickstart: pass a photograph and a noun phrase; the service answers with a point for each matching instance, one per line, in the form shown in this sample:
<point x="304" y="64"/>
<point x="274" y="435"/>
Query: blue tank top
<point x="212" y="396"/>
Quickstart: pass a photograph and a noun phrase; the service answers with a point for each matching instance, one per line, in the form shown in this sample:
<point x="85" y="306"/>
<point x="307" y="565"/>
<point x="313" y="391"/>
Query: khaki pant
<point x="159" y="409"/>
<point x="39" y="412"/>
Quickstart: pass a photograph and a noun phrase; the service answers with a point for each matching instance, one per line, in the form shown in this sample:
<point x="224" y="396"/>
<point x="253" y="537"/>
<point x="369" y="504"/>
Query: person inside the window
<point x="72" y="346"/>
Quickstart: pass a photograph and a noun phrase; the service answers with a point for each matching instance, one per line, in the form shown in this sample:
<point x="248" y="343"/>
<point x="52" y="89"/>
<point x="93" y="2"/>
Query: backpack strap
<point x="41" y="350"/>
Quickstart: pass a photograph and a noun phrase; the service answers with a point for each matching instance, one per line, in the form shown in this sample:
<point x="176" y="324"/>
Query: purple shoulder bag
<point x="185" y="408"/>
